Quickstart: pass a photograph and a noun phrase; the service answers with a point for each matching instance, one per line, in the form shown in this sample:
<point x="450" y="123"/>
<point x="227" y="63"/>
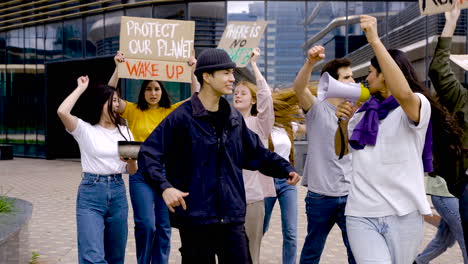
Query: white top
<point x="258" y="186"/>
<point x="324" y="173"/>
<point x="98" y="147"/>
<point x="281" y="142"/>
<point x="388" y="178"/>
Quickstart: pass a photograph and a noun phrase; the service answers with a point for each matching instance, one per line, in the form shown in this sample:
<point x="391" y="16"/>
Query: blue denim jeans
<point x="152" y="225"/>
<point x="101" y="217"/>
<point x="449" y="230"/>
<point x="463" y="203"/>
<point x="322" y="214"/>
<point x="385" y="240"/>
<point x="287" y="196"/>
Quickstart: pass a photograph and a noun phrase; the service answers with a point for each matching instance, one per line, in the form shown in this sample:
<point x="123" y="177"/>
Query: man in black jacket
<point x="203" y="146"/>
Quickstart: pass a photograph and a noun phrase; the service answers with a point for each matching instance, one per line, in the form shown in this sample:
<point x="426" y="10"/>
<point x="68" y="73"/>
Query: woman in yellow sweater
<point x="150" y="213"/>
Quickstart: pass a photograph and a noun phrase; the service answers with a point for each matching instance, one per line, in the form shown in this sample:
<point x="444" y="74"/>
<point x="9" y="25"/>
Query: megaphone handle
<point x="343" y="147"/>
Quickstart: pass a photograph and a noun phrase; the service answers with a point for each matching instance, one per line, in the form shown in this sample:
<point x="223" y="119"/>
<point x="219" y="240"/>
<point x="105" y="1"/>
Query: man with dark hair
<point x="325" y="176"/>
<point x="340" y="69"/>
<point x="203" y="145"/>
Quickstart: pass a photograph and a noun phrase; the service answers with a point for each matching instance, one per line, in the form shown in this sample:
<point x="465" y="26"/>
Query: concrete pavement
<point x="51" y="185"/>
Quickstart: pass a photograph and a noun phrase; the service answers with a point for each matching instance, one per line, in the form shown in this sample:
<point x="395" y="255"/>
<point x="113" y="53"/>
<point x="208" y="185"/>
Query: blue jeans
<point x="449" y="230"/>
<point x="152" y="225"/>
<point x="385" y="240"/>
<point x="101" y="218"/>
<point x="287" y="196"/>
<point x="322" y="214"/>
<point x="463" y="203"/>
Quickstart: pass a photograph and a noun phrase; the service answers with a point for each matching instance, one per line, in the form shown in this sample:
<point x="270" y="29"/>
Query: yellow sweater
<point x="142" y="123"/>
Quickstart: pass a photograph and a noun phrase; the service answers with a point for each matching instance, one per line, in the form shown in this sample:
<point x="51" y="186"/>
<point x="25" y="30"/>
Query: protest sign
<point x="430" y="7"/>
<point x="240" y="38"/>
<point x="156" y="49"/>
<point x="460" y="60"/>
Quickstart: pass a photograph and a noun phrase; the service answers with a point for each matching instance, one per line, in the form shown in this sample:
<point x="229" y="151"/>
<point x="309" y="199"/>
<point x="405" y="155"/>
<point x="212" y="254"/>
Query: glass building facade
<point x="46" y="45"/>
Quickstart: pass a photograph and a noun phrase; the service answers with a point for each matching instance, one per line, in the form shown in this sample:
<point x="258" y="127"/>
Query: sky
<point x="238" y="6"/>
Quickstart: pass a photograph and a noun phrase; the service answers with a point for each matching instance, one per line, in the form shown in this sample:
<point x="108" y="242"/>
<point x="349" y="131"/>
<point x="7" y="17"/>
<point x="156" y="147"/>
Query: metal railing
<point x="406" y="28"/>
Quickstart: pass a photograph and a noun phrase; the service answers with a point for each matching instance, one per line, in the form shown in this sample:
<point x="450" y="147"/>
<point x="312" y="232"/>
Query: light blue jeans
<point x="101" y="218"/>
<point x="385" y="240"/>
<point x="449" y="230"/>
<point x="287" y="196"/>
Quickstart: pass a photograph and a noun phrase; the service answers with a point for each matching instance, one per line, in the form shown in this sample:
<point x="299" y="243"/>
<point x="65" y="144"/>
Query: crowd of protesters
<point x="214" y="169"/>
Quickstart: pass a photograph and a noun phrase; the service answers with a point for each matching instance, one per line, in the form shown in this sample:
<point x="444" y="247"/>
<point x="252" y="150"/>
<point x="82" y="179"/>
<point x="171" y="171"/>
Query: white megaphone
<point x="330" y="88"/>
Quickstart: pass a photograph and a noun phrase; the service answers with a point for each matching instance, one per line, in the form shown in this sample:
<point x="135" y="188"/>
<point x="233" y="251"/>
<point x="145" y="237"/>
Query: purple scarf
<point x="365" y="132"/>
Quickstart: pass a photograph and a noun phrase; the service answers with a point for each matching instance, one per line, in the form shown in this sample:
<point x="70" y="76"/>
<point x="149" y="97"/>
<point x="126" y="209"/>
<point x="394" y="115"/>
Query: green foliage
<point x="34" y="258"/>
<point x="6" y="204"/>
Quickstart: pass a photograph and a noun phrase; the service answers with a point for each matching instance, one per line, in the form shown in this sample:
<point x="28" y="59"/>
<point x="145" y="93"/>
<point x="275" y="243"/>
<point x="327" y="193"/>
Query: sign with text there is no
<point x="430" y="7"/>
<point x="240" y="38"/>
<point x="156" y="49"/>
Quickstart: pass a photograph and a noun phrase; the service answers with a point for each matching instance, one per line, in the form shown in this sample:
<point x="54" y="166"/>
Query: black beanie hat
<point x="213" y="60"/>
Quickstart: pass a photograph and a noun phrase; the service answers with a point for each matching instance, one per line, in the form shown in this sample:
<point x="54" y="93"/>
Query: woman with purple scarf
<point x="391" y="140"/>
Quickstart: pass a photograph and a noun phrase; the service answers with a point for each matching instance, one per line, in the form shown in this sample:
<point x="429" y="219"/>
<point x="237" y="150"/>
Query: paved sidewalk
<point x="51" y="186"/>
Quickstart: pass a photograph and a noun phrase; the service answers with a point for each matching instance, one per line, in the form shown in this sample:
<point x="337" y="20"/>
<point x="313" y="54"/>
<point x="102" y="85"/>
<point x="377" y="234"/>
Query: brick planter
<point x="14" y="235"/>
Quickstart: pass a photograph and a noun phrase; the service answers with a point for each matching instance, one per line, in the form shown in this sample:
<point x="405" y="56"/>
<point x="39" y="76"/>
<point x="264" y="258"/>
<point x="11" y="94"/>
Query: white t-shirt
<point x="388" y="178"/>
<point x="281" y="142"/>
<point x="98" y="147"/>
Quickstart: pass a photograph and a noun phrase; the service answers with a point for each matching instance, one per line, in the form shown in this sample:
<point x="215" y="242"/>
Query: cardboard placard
<point x="240" y="38"/>
<point x="430" y="7"/>
<point x="460" y="60"/>
<point x="156" y="49"/>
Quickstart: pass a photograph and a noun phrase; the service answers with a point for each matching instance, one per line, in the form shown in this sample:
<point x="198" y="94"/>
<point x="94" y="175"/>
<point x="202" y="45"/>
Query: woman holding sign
<point x="150" y="213"/>
<point x="391" y="136"/>
<point x="101" y="204"/>
<point x="255" y="104"/>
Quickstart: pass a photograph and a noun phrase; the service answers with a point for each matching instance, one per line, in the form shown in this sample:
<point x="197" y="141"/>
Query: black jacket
<point x="206" y="166"/>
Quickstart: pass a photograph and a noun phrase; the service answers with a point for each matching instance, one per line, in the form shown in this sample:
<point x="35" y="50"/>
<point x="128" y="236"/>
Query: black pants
<point x="202" y="243"/>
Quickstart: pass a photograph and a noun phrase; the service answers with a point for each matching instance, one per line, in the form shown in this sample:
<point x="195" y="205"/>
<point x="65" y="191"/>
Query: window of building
<point x="94" y="35"/>
<point x="72" y="39"/>
<point x="54" y="41"/>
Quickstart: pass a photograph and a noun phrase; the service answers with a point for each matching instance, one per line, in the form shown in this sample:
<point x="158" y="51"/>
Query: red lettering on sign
<point x="169" y="75"/>
<point x="179" y="70"/>
<point x="154" y="70"/>
<point x="133" y="69"/>
<point x="142" y="69"/>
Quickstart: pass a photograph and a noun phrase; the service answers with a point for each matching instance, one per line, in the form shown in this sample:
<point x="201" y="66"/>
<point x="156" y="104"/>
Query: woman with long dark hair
<point x="391" y="138"/>
<point x="453" y="95"/>
<point x="150" y="213"/>
<point x="101" y="206"/>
